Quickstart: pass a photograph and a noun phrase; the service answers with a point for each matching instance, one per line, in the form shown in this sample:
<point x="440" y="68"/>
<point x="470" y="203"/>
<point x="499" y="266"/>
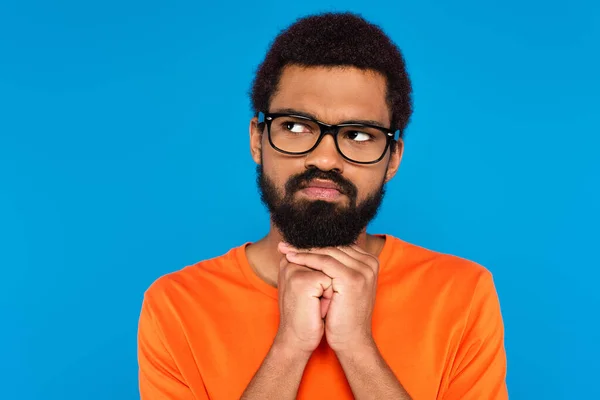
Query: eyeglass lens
<point x="358" y="143"/>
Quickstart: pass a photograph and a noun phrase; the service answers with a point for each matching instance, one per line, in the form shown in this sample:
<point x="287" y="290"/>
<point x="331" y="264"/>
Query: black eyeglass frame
<point x="326" y="129"/>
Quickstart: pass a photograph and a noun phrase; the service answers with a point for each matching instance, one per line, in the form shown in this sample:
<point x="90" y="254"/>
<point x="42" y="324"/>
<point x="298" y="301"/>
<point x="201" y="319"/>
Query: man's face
<point x="320" y="199"/>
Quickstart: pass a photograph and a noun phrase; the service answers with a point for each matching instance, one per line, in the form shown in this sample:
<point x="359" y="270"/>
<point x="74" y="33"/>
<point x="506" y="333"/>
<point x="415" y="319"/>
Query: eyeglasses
<point x="297" y="134"/>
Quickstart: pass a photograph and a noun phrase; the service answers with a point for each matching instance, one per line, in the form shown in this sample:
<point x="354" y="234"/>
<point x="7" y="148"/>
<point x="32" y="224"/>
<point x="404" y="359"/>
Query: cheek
<point x="276" y="172"/>
<point x="369" y="183"/>
<point x="279" y="167"/>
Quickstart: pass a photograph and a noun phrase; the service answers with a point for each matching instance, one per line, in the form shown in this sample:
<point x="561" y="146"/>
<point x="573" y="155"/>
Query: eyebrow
<point x="309" y="115"/>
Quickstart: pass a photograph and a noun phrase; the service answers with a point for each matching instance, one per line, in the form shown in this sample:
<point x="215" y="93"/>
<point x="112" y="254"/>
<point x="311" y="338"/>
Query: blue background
<point x="114" y="171"/>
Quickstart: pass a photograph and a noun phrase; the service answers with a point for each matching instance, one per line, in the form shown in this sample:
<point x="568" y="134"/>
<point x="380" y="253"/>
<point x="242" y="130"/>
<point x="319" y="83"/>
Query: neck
<point x="264" y="258"/>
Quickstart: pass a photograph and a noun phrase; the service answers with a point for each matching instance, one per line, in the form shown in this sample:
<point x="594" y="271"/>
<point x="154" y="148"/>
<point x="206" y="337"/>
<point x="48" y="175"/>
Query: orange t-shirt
<point x="205" y="330"/>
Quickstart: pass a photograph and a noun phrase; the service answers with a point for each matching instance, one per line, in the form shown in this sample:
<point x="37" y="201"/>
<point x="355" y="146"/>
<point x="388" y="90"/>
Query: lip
<point x="316" y="183"/>
<point x="319" y="193"/>
<point x="322" y="190"/>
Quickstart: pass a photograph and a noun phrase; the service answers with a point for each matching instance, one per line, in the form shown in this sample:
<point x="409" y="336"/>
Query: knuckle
<point x="370" y="274"/>
<point x="376" y="268"/>
<point x="292" y="274"/>
<point x="328" y="261"/>
<point x="371" y="261"/>
<point x="358" y="279"/>
<point x="375" y="264"/>
<point x="364" y="278"/>
<point x="322" y="257"/>
<point x="297" y="279"/>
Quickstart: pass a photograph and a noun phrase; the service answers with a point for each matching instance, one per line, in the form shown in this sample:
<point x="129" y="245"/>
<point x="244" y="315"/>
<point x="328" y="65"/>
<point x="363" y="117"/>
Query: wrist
<point x="286" y="350"/>
<point x="357" y="350"/>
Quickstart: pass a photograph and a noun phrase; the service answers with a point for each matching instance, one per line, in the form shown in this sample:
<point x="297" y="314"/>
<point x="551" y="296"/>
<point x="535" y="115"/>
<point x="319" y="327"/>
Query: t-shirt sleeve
<point x="479" y="368"/>
<point x="159" y="377"/>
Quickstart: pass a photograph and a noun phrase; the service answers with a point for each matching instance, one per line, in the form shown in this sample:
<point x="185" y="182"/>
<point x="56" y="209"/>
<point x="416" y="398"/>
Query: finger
<point x="351" y="259"/>
<point x="326" y="300"/>
<point x="338" y="254"/>
<point x="365" y="258"/>
<point x="285" y="248"/>
<point x="324" y="307"/>
<point x="359" y="249"/>
<point x="321" y="262"/>
<point x="292" y="268"/>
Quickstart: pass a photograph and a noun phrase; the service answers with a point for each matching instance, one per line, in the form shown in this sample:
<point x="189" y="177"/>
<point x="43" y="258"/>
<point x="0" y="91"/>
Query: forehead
<point x="333" y="94"/>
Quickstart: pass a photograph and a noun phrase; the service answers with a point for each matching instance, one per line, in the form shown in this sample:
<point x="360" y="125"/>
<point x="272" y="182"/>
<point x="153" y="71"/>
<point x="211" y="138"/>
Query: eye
<point x="358" y="136"/>
<point x="296" y="127"/>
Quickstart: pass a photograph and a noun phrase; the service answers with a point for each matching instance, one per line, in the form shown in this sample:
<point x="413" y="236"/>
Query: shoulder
<point x="416" y="256"/>
<point x="173" y="289"/>
<point x="453" y="288"/>
<point x="436" y="270"/>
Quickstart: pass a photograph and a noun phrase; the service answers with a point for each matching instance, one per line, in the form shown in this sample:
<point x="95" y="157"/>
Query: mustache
<point x="298" y="181"/>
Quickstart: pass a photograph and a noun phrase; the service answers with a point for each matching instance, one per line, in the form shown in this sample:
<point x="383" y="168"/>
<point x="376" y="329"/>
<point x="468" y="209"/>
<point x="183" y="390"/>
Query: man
<point x="319" y="308"/>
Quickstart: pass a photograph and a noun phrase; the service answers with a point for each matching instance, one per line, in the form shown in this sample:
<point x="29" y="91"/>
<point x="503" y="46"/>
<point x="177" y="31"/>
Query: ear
<point x="395" y="159"/>
<point x="255" y="140"/>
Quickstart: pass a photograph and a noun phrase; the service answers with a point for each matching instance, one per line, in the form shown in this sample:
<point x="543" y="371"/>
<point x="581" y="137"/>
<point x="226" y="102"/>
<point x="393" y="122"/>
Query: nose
<point x="325" y="156"/>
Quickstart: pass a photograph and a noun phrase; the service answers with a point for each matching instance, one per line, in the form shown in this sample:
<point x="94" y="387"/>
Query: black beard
<point x="309" y="224"/>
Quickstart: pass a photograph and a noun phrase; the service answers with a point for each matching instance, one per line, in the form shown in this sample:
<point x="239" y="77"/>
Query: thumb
<point x="326" y="300"/>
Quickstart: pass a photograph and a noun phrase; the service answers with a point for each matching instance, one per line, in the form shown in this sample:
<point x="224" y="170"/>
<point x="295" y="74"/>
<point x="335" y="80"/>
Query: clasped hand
<point x="327" y="291"/>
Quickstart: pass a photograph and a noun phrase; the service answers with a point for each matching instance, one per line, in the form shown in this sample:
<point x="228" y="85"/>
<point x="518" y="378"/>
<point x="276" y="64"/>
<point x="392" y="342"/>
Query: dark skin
<point x="325" y="291"/>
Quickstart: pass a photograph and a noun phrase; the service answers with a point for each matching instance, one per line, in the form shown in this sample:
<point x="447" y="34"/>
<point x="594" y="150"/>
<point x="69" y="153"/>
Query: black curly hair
<point x="336" y="39"/>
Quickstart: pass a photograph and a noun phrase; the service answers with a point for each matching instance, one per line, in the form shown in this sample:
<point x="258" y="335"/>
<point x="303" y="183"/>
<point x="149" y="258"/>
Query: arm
<point x="159" y="377"/>
<point x="279" y="375"/>
<point x="300" y="331"/>
<point x="479" y="367"/>
<point x="348" y="321"/>
<point x="369" y="375"/>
